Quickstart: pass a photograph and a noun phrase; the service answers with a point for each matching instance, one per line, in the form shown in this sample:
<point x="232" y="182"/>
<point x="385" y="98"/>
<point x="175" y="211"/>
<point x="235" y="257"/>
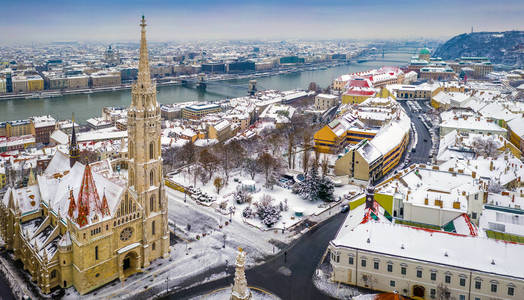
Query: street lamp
<point x="224" y="246"/>
<point x="283" y="228"/>
<point x="167" y="284"/>
<point x="230" y="214"/>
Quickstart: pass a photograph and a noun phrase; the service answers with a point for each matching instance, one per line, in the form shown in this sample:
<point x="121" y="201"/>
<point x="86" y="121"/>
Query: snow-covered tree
<point x="314" y="187"/>
<point x="266" y="211"/>
<point x="495" y="186"/>
<point x="485" y="146"/>
<point x="242" y="197"/>
<point x="247" y="212"/>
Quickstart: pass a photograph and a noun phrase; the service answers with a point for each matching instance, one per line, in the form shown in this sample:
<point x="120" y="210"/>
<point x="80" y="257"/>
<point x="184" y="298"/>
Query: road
<point x="289" y="280"/>
<point x="422" y="149"/>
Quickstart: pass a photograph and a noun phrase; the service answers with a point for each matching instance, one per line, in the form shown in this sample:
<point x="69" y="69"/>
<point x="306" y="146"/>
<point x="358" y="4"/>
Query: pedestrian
<point x="285" y="256"/>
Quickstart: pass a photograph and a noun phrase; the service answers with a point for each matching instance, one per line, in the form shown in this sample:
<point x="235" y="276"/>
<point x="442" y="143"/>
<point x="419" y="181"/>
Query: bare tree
<point x="225" y="153"/>
<point x="251" y="167"/>
<point x="443" y="292"/>
<point x="208" y="161"/>
<point x="188" y="153"/>
<point x="88" y="156"/>
<point x="324" y="165"/>
<point x="197" y="172"/>
<point x="218" y="183"/>
<point x="266" y="162"/>
<point x="305" y="161"/>
<point x="485" y="146"/>
<point x="238" y="153"/>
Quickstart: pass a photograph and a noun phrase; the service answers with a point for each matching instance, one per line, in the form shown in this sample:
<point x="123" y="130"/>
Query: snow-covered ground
<point x="225" y="294"/>
<point x="296" y="205"/>
<point x="322" y="281"/>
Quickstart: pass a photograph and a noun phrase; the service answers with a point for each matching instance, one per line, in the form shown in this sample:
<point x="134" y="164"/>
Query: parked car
<point x="344" y="208"/>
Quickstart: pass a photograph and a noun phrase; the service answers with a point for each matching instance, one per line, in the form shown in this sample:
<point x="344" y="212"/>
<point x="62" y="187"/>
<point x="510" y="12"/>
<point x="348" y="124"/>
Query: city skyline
<point x="176" y="20"/>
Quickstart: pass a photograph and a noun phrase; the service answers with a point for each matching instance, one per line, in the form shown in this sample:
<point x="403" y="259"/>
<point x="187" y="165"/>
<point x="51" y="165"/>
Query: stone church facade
<point x="87" y="225"/>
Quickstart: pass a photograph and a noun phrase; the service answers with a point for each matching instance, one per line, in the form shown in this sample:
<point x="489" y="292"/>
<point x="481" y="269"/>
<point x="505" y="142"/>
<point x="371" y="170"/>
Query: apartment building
<point x="373" y="251"/>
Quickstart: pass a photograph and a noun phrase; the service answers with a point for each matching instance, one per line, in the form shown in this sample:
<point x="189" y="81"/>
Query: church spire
<point x="144" y="79"/>
<point x="73" y="147"/>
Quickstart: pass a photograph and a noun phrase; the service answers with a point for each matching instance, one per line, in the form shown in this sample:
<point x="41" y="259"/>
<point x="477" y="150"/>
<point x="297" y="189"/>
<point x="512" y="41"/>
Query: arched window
<point x="53" y="274"/>
<point x="130" y="149"/>
<point x="151" y="177"/>
<point x="151" y="150"/>
<point x="152" y="203"/>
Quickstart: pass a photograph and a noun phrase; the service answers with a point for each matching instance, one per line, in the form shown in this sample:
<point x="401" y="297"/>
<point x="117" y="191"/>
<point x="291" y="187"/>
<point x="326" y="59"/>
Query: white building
<point x="325" y="101"/>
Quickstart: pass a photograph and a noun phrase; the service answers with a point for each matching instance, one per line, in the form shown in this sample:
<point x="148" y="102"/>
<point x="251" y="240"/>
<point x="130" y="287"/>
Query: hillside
<point x="501" y="47"/>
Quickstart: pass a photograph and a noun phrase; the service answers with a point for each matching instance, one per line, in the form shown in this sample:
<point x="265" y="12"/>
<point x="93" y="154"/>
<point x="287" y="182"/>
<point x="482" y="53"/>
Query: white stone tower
<point x="145" y="178"/>
<point x="240" y="290"/>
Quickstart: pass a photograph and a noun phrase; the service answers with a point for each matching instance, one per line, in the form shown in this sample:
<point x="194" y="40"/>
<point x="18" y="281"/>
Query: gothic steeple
<point x="73" y="147"/>
<point x="144" y="79"/>
<point x="145" y="179"/>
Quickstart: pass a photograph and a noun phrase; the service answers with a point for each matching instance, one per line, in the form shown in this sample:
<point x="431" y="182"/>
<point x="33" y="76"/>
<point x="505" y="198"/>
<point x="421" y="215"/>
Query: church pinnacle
<point x="144" y="79"/>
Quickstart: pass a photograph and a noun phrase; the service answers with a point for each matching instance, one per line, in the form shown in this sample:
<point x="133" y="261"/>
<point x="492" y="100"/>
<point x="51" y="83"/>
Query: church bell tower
<point x="145" y="179"/>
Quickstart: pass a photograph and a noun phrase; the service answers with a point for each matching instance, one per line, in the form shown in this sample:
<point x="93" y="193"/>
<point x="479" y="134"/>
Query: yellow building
<point x="17" y="128"/>
<point x="84" y="225"/>
<point x="3" y="178"/>
<point x="357" y="95"/>
<point x="516" y="132"/>
<point x="35" y="83"/>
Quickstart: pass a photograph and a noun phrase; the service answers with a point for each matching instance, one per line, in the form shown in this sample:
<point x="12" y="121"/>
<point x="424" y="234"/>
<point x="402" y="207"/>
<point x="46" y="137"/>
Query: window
<point x="477" y="298"/>
<point x="363" y="263"/>
<point x="403" y="270"/>
<point x="390" y="268"/>
<point x="350" y="260"/>
<point x="153" y="246"/>
<point x="447" y="279"/>
<point x="493" y="287"/>
<point x="478" y="284"/>
<point x="151" y="203"/>
<point x="53" y="274"/>
<point x="433" y="276"/>
<point x="392" y="283"/>
<point x="153" y="228"/>
<point x="432" y="293"/>
<point x="476" y="196"/>
<point x="375" y="265"/>
<point x="462" y="297"/>
<point x="462" y="281"/>
<point x="473" y="215"/>
<point x="151" y="177"/>
<point x="151" y="150"/>
<point x="419" y="273"/>
<point x="511" y="291"/>
<point x="96" y="252"/>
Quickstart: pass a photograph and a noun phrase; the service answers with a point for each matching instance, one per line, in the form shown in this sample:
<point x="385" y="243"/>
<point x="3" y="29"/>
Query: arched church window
<point x="151" y="149"/>
<point x="151" y="177"/>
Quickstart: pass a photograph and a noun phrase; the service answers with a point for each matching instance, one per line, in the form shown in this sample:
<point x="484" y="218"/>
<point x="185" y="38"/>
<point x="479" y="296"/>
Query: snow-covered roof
<point x="60" y="137"/>
<point x="475" y="253"/>
<point x="58" y="179"/>
<point x="517" y="126"/>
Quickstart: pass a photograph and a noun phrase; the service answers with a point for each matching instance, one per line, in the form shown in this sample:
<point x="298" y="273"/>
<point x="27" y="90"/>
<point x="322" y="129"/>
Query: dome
<point x="424" y="51"/>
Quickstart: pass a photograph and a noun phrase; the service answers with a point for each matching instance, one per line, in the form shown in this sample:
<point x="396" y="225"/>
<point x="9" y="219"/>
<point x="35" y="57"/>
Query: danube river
<point x="90" y="105"/>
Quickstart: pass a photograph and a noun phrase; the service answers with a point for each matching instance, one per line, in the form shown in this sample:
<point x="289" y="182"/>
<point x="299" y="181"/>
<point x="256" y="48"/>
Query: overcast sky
<point x="26" y="21"/>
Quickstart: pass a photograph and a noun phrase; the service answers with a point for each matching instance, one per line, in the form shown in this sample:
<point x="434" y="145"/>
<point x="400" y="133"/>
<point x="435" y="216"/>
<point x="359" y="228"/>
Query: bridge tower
<point x="201" y="84"/>
<point x="252" y="89"/>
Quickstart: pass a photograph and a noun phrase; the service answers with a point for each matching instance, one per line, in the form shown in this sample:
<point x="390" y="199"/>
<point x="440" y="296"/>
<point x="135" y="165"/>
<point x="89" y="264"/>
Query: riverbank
<point x="175" y="80"/>
<point x="90" y="105"/>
